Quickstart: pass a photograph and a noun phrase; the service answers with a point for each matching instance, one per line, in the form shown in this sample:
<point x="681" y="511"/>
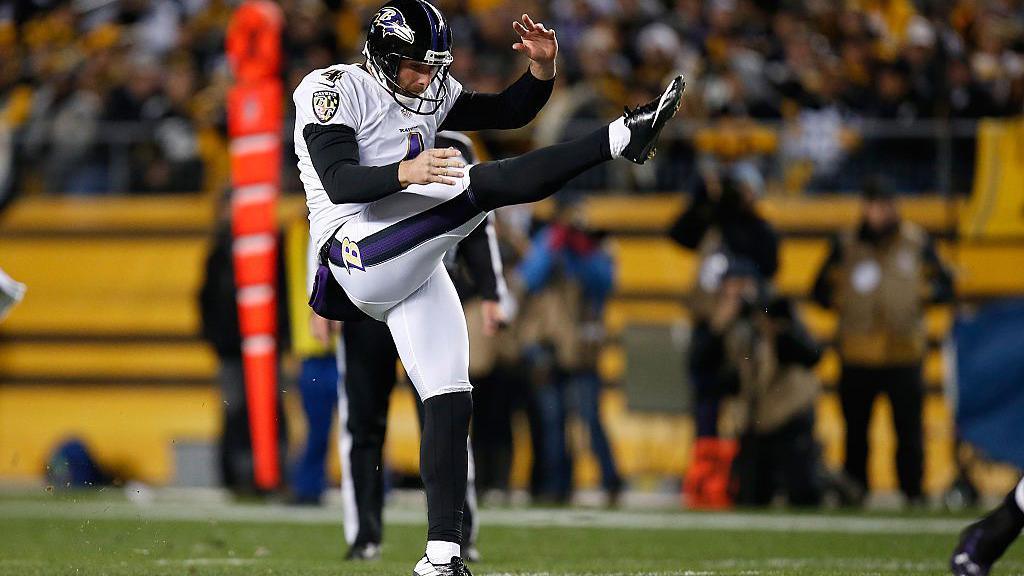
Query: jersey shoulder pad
<point x="331" y="96"/>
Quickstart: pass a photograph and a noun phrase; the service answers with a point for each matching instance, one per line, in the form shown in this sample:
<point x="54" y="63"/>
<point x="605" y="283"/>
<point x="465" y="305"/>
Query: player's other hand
<point x="494" y="317"/>
<point x="441" y="165"/>
<point x="323" y="329"/>
<point x="538" y="44"/>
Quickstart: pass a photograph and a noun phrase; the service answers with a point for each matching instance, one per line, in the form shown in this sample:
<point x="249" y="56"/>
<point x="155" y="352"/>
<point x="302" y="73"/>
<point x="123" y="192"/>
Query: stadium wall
<point x="105" y="345"/>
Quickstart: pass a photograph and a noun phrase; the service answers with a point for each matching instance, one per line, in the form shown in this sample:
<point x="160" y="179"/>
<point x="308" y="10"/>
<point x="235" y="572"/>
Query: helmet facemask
<point x="385" y="70"/>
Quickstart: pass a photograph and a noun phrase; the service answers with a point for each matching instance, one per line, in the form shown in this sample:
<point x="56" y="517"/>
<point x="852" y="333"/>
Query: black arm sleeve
<point x="476" y="253"/>
<point x="823" y="288"/>
<point x="514" y="107"/>
<point x="940" y="276"/>
<point x="335" y="156"/>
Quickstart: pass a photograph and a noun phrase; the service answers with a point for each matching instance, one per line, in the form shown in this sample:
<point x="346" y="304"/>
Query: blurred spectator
<point x="318" y="380"/>
<point x="218" y="312"/>
<point x="756" y="345"/>
<point x="318" y="385"/>
<point x="722" y="219"/>
<point x="496" y="368"/>
<point x="880" y="277"/>
<point x="15" y="108"/>
<point x="734" y="140"/>
<point x="173" y="164"/>
<point x="493" y="369"/>
<point x="721" y="223"/>
<point x="62" y="131"/>
<point x="820" y="68"/>
<point x="569" y="276"/>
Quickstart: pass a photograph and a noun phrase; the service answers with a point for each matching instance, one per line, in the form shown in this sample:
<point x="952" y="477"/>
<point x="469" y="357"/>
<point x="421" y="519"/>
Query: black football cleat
<point x="645" y="122"/>
<point x="454" y="568"/>
<point x="364" y="552"/>
<point x="983" y="542"/>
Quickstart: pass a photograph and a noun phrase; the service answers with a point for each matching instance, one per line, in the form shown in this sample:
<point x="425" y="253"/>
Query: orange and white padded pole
<point x="254" y="107"/>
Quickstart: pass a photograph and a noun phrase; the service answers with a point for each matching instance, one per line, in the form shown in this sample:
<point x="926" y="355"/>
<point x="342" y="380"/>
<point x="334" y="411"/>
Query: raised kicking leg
<point x="386" y="251"/>
<point x="542" y="172"/>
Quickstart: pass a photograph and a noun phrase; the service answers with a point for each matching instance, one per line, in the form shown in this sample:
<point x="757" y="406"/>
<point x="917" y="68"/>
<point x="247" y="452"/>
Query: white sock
<point x="441" y="552"/>
<point x="1018" y="495"/>
<point x="618" y="136"/>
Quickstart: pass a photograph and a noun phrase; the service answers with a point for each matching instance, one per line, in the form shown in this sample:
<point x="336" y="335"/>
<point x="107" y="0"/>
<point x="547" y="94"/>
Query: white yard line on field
<point x="843" y="565"/>
<point x="207" y="562"/>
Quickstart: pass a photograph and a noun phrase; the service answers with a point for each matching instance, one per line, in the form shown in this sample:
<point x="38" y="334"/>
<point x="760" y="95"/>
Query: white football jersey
<point x="386" y="133"/>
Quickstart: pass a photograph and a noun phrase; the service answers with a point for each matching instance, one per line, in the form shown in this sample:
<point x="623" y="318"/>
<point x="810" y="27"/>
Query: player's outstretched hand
<point x="439" y="165"/>
<point x="538" y="44"/>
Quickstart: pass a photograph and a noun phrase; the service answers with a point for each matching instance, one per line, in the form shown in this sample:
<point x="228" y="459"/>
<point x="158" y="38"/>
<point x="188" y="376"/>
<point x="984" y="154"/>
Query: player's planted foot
<point x="366" y="552"/>
<point x="645" y="123"/>
<point x="983" y="542"/>
<point x="456" y="567"/>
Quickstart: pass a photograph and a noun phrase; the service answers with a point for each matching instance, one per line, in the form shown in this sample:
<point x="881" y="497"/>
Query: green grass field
<point x="95" y="534"/>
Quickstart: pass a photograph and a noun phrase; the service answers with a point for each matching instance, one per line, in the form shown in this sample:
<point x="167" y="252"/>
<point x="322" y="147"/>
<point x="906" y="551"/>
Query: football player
<point x="383" y="256"/>
<point x="985" y="541"/>
<point x="369" y="356"/>
<point x="393" y="104"/>
<point x="383" y="230"/>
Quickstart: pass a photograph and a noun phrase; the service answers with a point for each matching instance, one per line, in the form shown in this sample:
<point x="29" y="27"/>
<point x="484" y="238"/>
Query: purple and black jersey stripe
<point x="407" y="234"/>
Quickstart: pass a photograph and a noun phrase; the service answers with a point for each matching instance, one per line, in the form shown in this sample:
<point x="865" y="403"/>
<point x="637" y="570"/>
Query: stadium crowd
<point x="128" y="96"/>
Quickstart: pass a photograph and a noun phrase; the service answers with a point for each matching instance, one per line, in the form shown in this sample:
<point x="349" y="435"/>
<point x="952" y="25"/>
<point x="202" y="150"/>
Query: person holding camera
<point x="569" y="275"/>
<point x="721" y="222"/>
<point x="758" y="349"/>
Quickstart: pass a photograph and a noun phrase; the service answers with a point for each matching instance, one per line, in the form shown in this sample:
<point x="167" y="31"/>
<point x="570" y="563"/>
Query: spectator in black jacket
<point x="724" y="213"/>
<point x="218" y="310"/>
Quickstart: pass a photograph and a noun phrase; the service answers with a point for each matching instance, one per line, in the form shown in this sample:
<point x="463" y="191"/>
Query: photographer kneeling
<point x="759" y="348"/>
